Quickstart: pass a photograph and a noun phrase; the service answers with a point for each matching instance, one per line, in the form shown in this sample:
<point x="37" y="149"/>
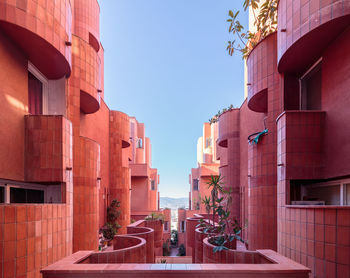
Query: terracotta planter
<point x="147" y="234"/>
<point x="219" y="257"/>
<point x="198" y="245"/>
<point x="157" y="226"/>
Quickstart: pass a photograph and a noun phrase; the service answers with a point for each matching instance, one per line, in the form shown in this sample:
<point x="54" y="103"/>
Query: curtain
<point x="35" y="95"/>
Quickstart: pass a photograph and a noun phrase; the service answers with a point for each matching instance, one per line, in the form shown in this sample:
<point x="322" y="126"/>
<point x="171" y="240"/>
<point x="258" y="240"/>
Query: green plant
<point x="111" y="227"/>
<point x="155" y="216"/>
<point x="216" y="117"/>
<point x="206" y="202"/>
<point x="166" y="248"/>
<point x="174" y="237"/>
<point x="182" y="250"/>
<point x="226" y="229"/>
<point x="265" y="23"/>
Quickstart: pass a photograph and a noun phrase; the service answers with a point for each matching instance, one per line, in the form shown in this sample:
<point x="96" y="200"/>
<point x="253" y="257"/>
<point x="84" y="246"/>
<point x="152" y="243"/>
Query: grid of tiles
<point x="262" y="174"/>
<point x="48" y="148"/>
<point x="51" y="20"/>
<point x="299" y="17"/>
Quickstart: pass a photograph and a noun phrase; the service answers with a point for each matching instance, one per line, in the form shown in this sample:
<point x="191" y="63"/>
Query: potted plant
<point x="223" y="233"/>
<point x="111" y="227"/>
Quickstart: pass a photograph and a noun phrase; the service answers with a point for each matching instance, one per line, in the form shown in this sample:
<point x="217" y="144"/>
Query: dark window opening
<point x="311" y="89"/>
<point x="195" y="185"/>
<point x="166" y="224"/>
<point x="182" y="227"/>
<point x="153" y="185"/>
<point x="35" y="95"/>
<point x="2" y="194"/>
<point x="139" y="143"/>
<point x="21" y="195"/>
<point x="315" y="193"/>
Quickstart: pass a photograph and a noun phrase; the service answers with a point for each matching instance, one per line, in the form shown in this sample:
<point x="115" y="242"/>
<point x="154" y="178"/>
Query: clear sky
<point x="166" y="64"/>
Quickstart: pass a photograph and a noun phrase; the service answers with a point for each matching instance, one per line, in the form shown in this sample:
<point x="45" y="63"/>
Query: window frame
<point x="342" y="183"/>
<point x="45" y="83"/>
<point x="302" y="93"/>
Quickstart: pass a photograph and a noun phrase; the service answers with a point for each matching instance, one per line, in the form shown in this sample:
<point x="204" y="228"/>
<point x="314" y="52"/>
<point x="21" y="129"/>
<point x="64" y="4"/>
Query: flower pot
<point x="219" y="257"/>
<point x="198" y="244"/>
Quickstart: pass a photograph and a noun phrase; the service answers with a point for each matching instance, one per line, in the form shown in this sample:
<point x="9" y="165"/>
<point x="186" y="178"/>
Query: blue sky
<point x="163" y="61"/>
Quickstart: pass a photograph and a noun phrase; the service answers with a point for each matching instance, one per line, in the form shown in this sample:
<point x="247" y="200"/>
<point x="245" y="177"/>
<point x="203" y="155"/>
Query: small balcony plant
<point x="111" y="227"/>
<point x="155" y="216"/>
<point x="224" y="232"/>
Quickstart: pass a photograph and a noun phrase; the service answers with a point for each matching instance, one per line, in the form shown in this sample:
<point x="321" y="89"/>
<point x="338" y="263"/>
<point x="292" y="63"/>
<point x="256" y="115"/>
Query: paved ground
<point x="174" y="251"/>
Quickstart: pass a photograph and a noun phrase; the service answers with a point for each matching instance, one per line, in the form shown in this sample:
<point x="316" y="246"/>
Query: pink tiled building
<point x="65" y="155"/>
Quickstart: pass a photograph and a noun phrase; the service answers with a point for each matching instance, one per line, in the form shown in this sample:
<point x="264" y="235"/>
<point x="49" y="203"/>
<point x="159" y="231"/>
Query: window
<point x="22" y="195"/>
<point x="166" y="226"/>
<point x="35" y="95"/>
<point x="2" y="194"/>
<point x="30" y="193"/>
<point x="183" y="227"/>
<point x="207" y="142"/>
<point x="153" y="185"/>
<point x="195" y="184"/>
<point x="139" y="143"/>
<point x="336" y="193"/>
<point x="38" y="87"/>
<point x="310" y="88"/>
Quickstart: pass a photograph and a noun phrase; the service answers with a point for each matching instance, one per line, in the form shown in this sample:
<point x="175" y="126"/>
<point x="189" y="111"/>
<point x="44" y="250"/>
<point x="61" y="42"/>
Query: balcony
<point x="41" y="29"/>
<point x="299" y="141"/>
<point x="87" y="21"/>
<point x="86" y="75"/>
<point x="207" y="170"/>
<point x="228" y="127"/>
<point x="272" y="264"/>
<point x="262" y="73"/>
<point x="140" y="170"/>
<point x="48" y="148"/>
<point x="306" y="28"/>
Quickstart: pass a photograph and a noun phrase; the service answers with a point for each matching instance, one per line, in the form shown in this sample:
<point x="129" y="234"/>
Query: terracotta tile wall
<point x="148" y="235"/>
<point x="301" y="17"/>
<point x="14" y="80"/>
<point x="250" y="122"/>
<point x="119" y="187"/>
<point x="96" y="127"/>
<point x="318" y="237"/>
<point x="86" y="69"/>
<point x="48" y="148"/>
<point x="262" y="176"/>
<point x="86" y="171"/>
<point x="229" y="131"/>
<point x="35" y="235"/>
<point x="51" y="20"/>
<point x="87" y="19"/>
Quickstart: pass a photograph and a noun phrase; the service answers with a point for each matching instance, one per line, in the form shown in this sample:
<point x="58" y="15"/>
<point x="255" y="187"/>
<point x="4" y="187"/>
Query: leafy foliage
<point x="174" y="238"/>
<point x="182" y="250"/>
<point x="155" y="216"/>
<point x="215" y="118"/>
<point x="265" y="22"/>
<point x="111" y="227"/>
<point x="226" y="229"/>
<point x="166" y="248"/>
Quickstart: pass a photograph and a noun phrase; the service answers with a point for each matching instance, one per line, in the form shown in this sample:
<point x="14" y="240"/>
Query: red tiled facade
<point x="62" y="165"/>
<point x="291" y="186"/>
